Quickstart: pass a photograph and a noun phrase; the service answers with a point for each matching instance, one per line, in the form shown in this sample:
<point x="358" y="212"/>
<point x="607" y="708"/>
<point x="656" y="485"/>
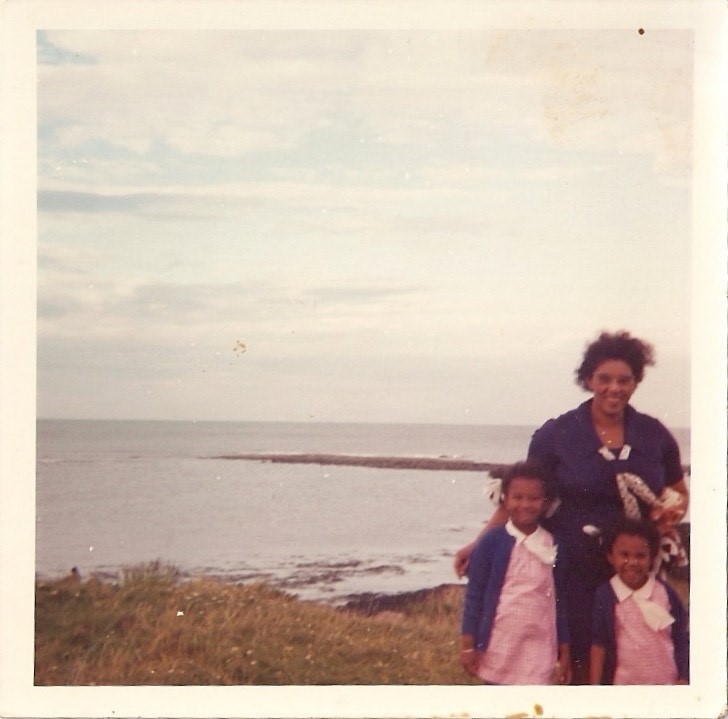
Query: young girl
<point x="640" y="628"/>
<point x="513" y="629"/>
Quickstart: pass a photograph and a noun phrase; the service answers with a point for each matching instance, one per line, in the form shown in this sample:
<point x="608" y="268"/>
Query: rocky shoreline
<point x="429" y="463"/>
<point x="371" y="603"/>
<point x="445" y="463"/>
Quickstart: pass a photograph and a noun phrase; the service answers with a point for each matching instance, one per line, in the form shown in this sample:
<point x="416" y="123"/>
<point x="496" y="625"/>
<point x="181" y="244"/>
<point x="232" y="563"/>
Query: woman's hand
<point x="462" y="556"/>
<point x="671" y="506"/>
<point x="665" y="518"/>
<point x="462" y="559"/>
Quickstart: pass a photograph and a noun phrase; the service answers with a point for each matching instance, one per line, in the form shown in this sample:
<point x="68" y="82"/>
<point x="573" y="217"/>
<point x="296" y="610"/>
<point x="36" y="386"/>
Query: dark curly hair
<point x="632" y="528"/>
<point x="618" y="346"/>
<point x="527" y="470"/>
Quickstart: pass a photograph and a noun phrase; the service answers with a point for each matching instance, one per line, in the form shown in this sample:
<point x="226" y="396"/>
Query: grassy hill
<point x="153" y="629"/>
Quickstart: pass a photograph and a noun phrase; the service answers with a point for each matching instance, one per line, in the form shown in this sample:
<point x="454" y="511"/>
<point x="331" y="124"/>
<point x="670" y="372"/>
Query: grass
<point x="153" y="629"/>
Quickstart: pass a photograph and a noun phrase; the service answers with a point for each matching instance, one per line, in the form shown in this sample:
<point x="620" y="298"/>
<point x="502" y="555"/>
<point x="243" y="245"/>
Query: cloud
<point x="264" y="308"/>
<point x="192" y="99"/>
<point x="55" y="201"/>
<point x="306" y="210"/>
<point x="353" y="295"/>
<point x="59" y="306"/>
<point x="50" y="54"/>
<point x="154" y="205"/>
<point x="399" y="89"/>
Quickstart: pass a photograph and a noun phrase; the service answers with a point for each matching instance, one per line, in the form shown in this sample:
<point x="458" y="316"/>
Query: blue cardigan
<point x="486" y="573"/>
<point x="603" y="633"/>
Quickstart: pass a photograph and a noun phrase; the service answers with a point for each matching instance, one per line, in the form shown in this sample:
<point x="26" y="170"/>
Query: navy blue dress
<point x="570" y="448"/>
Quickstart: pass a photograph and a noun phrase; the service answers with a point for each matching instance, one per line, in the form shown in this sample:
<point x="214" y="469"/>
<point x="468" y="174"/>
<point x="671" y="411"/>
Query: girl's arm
<point x="564" y="665"/>
<point x="602" y="635"/>
<point x="469" y="655"/>
<point x="473" y="602"/>
<point x="680" y="635"/>
<point x="462" y="556"/>
<point x="596" y="664"/>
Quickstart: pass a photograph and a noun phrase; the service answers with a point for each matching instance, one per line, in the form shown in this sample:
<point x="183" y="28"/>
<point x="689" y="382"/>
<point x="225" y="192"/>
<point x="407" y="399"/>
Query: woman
<point x="607" y="460"/>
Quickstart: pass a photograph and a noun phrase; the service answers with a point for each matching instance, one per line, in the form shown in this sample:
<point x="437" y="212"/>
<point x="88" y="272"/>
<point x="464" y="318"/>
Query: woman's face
<point x="613" y="384"/>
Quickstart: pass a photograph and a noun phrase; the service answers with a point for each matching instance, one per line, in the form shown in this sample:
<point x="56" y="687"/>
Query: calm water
<point x="116" y="494"/>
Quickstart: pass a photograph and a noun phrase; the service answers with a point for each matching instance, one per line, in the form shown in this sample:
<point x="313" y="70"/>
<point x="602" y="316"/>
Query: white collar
<point x="538" y="543"/>
<point x="607" y="453"/>
<point x="624" y="592"/>
<point x="539" y="534"/>
<point x="656" y="617"/>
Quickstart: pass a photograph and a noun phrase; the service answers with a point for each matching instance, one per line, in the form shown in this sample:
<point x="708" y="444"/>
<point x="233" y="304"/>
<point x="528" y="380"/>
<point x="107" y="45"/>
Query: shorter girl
<point x="640" y="628"/>
<point x="513" y="629"/>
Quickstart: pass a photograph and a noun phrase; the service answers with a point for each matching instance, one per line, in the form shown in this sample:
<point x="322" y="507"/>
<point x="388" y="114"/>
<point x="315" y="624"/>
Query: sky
<point x="359" y="225"/>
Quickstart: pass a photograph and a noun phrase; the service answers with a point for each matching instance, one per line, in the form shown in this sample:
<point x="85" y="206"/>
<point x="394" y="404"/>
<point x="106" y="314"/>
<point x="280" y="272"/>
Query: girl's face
<point x="631" y="559"/>
<point x="525" y="503"/>
<point x="613" y="384"/>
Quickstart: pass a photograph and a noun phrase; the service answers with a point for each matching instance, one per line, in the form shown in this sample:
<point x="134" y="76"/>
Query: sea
<point x="113" y="495"/>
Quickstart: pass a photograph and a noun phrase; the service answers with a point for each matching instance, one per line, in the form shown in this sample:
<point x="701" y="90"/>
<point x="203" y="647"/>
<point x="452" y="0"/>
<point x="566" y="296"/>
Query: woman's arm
<point x="673" y="502"/>
<point x="462" y="556"/>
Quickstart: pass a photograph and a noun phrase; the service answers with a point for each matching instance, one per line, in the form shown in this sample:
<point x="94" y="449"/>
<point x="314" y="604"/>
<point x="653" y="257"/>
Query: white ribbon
<point x="536" y="543"/>
<point x="546" y="553"/>
<point x="494" y="489"/>
<point x="655" y="616"/>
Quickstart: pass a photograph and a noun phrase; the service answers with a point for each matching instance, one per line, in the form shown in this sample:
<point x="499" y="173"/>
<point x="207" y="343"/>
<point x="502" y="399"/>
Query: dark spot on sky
<point x="641" y="31"/>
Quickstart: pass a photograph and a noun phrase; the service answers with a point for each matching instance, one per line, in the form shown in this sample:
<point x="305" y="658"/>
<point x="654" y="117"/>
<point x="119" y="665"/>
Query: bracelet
<point x="467" y="651"/>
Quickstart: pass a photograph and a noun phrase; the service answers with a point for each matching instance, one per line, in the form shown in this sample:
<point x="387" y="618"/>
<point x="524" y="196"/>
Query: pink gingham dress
<point x="523" y="645"/>
<point x="644" y="655"/>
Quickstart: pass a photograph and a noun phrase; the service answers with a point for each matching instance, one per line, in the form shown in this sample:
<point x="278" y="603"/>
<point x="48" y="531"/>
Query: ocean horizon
<point x="114" y="494"/>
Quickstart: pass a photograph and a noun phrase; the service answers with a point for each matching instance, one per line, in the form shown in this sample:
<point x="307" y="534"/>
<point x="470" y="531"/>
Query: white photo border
<point x="704" y="697"/>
